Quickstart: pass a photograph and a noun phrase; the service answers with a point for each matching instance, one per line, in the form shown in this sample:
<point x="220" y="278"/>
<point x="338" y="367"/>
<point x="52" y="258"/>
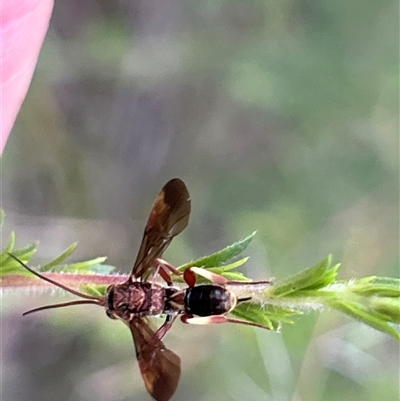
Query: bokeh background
<point x="281" y="117"/>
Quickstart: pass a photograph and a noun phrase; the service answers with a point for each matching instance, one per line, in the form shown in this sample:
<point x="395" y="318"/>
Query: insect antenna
<point x="61" y="305"/>
<point x="88" y="299"/>
<point x="244" y="299"/>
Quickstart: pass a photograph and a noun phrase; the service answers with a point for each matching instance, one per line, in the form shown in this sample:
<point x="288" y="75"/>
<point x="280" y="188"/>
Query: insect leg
<point x="162" y="267"/>
<point x="168" y="266"/>
<point x="213" y="277"/>
<point x="163" y="329"/>
<point x="215" y="319"/>
<point x="218" y="279"/>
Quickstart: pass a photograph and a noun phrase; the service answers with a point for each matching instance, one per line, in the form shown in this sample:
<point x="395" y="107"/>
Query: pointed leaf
<point x="252" y="313"/>
<point x="225" y="271"/>
<point x="8" y="249"/>
<point x="312" y="278"/>
<point x="368" y="316"/>
<point x="82" y="267"/>
<point x="102" y="269"/>
<point x="26" y="252"/>
<point x="387" y="307"/>
<point x="231" y="266"/>
<point x="94" y="290"/>
<point x="327" y="278"/>
<point x="382" y="286"/>
<point x="59" y="259"/>
<point x="222" y="256"/>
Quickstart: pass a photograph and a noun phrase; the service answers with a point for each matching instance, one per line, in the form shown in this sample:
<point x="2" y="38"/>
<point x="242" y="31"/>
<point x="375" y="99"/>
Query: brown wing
<point x="168" y="217"/>
<point x="159" y="366"/>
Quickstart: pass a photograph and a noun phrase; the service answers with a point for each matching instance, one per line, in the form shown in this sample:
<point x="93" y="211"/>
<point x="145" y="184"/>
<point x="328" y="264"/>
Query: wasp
<point x="141" y="297"/>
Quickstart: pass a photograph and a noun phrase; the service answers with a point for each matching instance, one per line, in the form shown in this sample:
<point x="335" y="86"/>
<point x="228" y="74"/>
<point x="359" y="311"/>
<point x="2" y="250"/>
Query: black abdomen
<point x="207" y="300"/>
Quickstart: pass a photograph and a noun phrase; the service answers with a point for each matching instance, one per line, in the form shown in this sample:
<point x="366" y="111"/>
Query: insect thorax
<point x="135" y="299"/>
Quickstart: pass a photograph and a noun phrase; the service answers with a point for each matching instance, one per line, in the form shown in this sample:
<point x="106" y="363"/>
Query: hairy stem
<point x="68" y="279"/>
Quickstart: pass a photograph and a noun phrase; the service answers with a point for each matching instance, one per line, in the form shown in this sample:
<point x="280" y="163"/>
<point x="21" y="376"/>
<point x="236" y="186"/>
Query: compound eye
<point x="110" y="297"/>
<point x="110" y="315"/>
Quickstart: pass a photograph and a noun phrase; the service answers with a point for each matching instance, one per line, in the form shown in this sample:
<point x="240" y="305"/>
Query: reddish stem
<point x="68" y="279"/>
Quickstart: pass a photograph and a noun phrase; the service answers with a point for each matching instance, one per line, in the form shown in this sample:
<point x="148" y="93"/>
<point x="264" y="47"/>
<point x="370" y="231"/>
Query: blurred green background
<point x="279" y="116"/>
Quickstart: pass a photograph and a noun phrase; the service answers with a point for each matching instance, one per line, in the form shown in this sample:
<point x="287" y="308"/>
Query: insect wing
<point x="168" y="217"/>
<point x="159" y="366"/>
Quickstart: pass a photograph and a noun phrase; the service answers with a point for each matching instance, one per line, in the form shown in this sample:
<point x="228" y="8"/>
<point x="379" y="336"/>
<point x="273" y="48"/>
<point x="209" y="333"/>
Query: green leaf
<point x="225" y="271"/>
<point x="8" y="249"/>
<point x="222" y="256"/>
<point x="81" y="267"/>
<point x="387" y="306"/>
<point x="327" y="278"/>
<point x="230" y="266"/>
<point x="270" y="316"/>
<point x="382" y="286"/>
<point x="9" y="265"/>
<point x="281" y="314"/>
<point x="94" y="290"/>
<point x="102" y="269"/>
<point x="234" y="276"/>
<point x="26" y="252"/>
<point x="312" y="278"/>
<point x="370" y="317"/>
<point x="59" y="259"/>
<point x="252" y="313"/>
<point x="373" y="300"/>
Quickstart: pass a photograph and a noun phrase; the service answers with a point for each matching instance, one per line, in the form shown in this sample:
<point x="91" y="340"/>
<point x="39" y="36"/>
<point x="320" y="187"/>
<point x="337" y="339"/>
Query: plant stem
<point x="68" y="279"/>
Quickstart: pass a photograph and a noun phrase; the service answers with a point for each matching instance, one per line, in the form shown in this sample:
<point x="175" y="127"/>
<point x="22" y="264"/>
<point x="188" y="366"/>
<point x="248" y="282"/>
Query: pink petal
<point x="23" y="25"/>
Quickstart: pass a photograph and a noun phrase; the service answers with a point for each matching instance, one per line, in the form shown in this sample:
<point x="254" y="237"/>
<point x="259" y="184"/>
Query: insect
<point x="140" y="297"/>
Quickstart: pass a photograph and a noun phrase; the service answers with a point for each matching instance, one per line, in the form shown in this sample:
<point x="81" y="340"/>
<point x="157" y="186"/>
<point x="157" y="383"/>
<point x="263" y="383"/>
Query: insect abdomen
<point x="207" y="300"/>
